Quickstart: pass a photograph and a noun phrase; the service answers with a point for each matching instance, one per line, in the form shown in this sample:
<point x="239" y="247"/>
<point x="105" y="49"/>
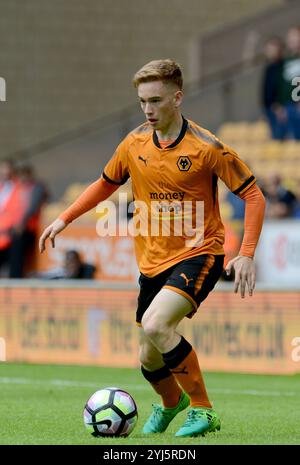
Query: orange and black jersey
<point x="186" y="170"/>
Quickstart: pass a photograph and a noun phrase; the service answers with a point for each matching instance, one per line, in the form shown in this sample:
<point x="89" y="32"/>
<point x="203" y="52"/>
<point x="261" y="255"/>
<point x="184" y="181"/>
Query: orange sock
<point x="182" y="361"/>
<point x="169" y="391"/>
<point x="189" y="376"/>
<point x="165" y="384"/>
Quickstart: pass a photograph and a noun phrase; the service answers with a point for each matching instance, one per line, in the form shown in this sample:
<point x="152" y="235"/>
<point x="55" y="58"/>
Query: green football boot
<point x="200" y="420"/>
<point x="161" y="416"/>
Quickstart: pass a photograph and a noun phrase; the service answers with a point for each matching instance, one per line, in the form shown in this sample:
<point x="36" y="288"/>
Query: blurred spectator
<point x="9" y="210"/>
<point x="296" y="213"/>
<point x="290" y="70"/>
<point x="73" y="268"/>
<point x="275" y="113"/>
<point x="280" y="202"/>
<point x="237" y="205"/>
<point x="32" y="196"/>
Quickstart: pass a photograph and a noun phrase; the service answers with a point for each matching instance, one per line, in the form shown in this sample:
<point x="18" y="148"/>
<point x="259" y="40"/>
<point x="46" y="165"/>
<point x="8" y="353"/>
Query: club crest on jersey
<point x="184" y="163"/>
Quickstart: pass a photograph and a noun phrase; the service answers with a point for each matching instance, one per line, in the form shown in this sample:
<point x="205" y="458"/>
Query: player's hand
<point x="56" y="227"/>
<point x="244" y="273"/>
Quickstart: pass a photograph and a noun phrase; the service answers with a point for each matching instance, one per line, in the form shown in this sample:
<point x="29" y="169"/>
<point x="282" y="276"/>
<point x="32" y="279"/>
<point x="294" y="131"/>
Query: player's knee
<point x="144" y="358"/>
<point x="147" y="363"/>
<point x="155" y="330"/>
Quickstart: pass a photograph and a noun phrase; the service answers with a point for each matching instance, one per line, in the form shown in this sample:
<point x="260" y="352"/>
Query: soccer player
<point x="172" y="158"/>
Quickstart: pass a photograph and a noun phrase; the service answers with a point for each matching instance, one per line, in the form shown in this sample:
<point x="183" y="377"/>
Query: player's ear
<point x="178" y="98"/>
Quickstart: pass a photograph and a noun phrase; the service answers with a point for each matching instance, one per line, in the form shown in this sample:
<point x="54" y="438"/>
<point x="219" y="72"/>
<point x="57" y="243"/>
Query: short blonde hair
<point x="159" y="70"/>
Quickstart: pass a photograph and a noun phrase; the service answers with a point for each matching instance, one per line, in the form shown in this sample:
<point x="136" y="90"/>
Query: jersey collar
<point x="179" y="138"/>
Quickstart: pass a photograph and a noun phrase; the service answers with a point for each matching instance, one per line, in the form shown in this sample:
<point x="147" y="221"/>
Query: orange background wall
<point x="96" y="326"/>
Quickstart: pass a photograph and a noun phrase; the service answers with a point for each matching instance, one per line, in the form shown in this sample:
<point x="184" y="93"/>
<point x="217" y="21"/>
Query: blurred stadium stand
<point x="69" y="107"/>
<point x="66" y="112"/>
<point x="252" y="141"/>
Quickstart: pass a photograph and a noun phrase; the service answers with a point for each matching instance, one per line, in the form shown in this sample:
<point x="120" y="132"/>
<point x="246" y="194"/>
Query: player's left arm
<point x="225" y="162"/>
<point x="243" y="264"/>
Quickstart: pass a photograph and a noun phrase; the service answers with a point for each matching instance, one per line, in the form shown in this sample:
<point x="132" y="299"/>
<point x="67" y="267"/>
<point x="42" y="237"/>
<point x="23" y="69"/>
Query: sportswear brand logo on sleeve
<point x="143" y="159"/>
<point x="184" y="163"/>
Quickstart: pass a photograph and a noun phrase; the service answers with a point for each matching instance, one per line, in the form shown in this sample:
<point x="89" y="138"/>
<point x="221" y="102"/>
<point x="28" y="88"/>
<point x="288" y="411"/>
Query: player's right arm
<point x="115" y="174"/>
<point x="50" y="232"/>
<point x="95" y="193"/>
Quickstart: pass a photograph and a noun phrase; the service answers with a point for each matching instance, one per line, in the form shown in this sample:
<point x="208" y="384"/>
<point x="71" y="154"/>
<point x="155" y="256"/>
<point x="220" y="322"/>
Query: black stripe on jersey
<point x="214" y="186"/>
<point x="245" y="184"/>
<point x="179" y="138"/>
<point x="117" y="183"/>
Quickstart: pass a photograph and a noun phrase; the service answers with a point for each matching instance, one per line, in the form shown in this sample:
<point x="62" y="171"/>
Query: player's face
<point x="160" y="102"/>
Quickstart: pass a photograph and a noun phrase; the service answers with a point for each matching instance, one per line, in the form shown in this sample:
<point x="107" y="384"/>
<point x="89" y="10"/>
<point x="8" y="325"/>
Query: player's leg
<point x="174" y="400"/>
<point x="153" y="367"/>
<point x="157" y="373"/>
<point x="160" y="323"/>
<point x="189" y="284"/>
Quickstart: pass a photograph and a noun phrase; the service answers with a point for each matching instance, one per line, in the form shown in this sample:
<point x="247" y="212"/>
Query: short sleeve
<point x="117" y="171"/>
<point x="226" y="164"/>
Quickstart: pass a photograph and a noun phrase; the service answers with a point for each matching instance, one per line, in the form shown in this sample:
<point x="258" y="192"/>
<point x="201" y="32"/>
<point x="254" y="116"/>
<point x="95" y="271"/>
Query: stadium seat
<point x="73" y="191"/>
<point x="273" y="150"/>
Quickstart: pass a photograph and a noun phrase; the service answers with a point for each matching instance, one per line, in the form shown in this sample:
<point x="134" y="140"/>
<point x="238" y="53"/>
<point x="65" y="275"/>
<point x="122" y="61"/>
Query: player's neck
<point x="172" y="131"/>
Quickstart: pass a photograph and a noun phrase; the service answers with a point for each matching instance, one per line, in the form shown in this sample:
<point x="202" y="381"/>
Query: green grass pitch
<point x="43" y="404"/>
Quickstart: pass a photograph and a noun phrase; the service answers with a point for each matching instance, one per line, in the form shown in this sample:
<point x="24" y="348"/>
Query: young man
<point x="169" y="157"/>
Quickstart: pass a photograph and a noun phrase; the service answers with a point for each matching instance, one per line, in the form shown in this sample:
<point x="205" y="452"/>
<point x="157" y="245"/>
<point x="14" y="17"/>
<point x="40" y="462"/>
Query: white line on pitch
<point x="139" y="387"/>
